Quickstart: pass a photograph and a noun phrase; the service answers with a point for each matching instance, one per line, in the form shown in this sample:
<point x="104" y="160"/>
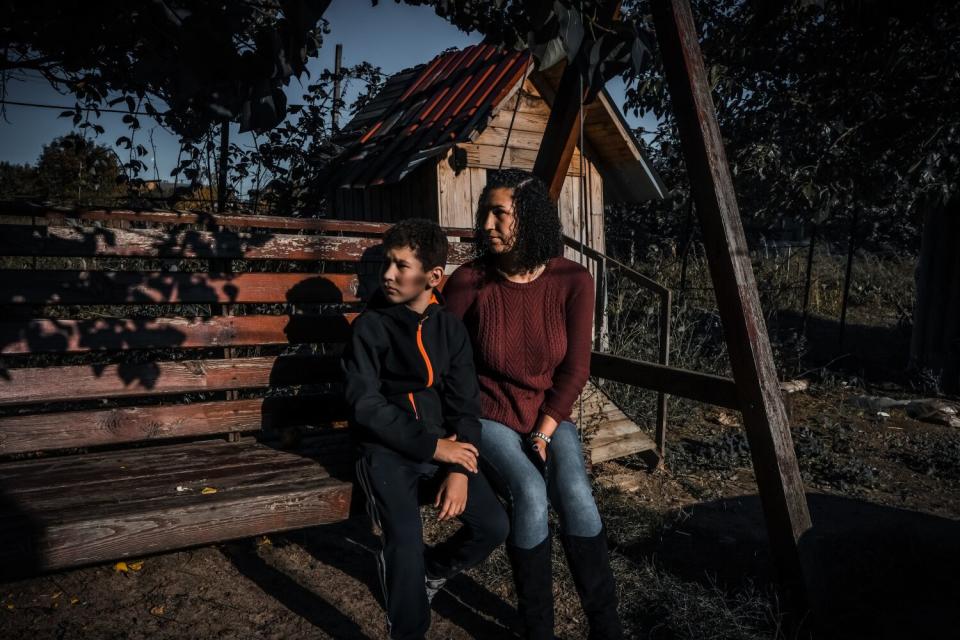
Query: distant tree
<point x="836" y="109"/>
<point x="826" y="108"/>
<point x="207" y="60"/>
<point x="192" y="65"/>
<point x="73" y="170"/>
<point x="17" y="181"/>
<point x="294" y="156"/>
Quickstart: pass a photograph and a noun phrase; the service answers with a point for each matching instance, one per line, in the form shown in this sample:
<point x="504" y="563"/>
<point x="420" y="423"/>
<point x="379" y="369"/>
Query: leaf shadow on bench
<point x="25" y="333"/>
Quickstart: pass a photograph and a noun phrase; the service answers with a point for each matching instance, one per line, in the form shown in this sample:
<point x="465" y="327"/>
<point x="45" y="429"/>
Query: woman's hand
<point x="452" y="496"/>
<point x="536" y="450"/>
<point x="540" y="446"/>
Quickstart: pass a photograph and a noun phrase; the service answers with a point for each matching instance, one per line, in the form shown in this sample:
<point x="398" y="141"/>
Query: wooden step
<point x="610" y="432"/>
<point x="635" y="442"/>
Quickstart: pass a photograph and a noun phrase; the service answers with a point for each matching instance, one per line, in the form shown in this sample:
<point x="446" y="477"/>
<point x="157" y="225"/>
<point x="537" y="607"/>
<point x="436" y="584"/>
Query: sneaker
<point x="433" y="586"/>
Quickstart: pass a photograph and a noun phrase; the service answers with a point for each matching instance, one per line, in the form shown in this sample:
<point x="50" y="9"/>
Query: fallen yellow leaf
<point x="136" y="566"/>
<point x="157" y="610"/>
<point x="264" y="541"/>
<point x="121" y="567"/>
<point x="74" y="600"/>
<point x="208" y="490"/>
<point x="56" y="595"/>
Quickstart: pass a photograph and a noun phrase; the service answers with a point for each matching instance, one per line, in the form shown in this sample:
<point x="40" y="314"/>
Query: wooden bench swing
<point x="177" y="438"/>
<point x="193" y="446"/>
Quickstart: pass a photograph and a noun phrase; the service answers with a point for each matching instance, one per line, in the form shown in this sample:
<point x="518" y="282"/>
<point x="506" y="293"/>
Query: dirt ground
<point x="688" y="546"/>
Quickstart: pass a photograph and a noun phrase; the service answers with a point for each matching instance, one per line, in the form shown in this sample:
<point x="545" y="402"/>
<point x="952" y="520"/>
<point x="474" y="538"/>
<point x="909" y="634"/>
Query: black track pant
<point x="395" y="487"/>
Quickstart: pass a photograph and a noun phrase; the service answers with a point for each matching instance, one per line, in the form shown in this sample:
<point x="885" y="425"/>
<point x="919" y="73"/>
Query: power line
<point x="101" y="110"/>
<point x="74" y="108"/>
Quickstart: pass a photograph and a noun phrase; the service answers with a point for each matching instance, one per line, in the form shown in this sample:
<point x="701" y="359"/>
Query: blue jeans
<point x="517" y="479"/>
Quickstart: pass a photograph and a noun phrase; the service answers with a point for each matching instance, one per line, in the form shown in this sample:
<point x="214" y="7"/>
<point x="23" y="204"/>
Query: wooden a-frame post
<point x="758" y="390"/>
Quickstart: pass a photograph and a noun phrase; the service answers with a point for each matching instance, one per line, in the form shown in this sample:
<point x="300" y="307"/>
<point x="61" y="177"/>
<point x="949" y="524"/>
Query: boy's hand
<point x="452" y="496"/>
<point x="453" y="452"/>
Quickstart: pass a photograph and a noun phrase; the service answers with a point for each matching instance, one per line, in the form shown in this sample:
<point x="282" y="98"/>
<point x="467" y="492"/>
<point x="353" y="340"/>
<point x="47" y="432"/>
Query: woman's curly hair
<point x="539" y="235"/>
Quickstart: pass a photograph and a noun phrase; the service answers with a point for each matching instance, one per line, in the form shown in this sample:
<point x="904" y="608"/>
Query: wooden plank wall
<point x="413" y="197"/>
<point x="459" y="193"/>
<point x="525" y="136"/>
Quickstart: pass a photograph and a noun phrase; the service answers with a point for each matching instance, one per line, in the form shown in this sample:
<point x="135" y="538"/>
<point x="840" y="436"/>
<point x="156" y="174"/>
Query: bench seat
<point x="71" y="510"/>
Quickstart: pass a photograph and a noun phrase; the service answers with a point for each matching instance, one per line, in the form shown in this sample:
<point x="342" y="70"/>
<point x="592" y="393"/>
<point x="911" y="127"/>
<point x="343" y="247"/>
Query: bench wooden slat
<point x="82" y="382"/>
<point x="136" y="287"/>
<point x="273" y="470"/>
<point x="23" y="479"/>
<point x="55" y="216"/>
<point x="43" y="335"/>
<point x="124" y="464"/>
<point x="22" y="240"/>
<point x="56" y="287"/>
<point x="147" y="490"/>
<point x="47" y="541"/>
<point x="70" y="429"/>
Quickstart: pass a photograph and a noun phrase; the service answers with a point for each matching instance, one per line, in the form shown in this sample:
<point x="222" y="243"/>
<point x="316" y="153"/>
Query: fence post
<point x="851" y="248"/>
<point x="806" y="286"/>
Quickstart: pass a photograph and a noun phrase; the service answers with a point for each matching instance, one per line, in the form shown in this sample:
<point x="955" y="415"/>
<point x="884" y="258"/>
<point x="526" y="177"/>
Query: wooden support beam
<point x="765" y="418"/>
<point x="560" y="136"/>
<point x="702" y="387"/>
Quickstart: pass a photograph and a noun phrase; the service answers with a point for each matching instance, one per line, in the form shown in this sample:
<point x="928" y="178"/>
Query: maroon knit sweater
<point x="531" y="341"/>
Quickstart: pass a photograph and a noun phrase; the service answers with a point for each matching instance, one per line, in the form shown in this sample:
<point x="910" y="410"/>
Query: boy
<point x="414" y="397"/>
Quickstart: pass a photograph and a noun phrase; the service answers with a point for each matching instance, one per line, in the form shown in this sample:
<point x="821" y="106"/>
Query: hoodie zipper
<point x="414" y="405"/>
<point x="426" y="361"/>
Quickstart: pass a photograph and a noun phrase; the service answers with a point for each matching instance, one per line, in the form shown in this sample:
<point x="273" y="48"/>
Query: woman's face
<point x="498" y="220"/>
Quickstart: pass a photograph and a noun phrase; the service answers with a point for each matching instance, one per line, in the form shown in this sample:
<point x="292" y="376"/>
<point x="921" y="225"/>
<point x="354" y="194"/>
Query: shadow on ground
<point x="350" y="547"/>
<point x="873" y="352"/>
<point x="886" y="572"/>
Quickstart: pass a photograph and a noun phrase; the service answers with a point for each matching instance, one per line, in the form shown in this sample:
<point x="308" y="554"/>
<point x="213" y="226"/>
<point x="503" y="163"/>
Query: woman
<point x="529" y="312"/>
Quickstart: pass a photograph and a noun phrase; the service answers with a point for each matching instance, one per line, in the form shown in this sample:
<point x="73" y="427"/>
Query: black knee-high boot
<point x="533" y="577"/>
<point x="589" y="564"/>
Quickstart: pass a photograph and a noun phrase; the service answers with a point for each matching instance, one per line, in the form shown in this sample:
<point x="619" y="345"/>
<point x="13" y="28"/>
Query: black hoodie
<point x="410" y="379"/>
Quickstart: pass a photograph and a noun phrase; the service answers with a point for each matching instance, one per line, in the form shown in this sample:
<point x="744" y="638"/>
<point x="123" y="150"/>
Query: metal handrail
<point x="665" y="295"/>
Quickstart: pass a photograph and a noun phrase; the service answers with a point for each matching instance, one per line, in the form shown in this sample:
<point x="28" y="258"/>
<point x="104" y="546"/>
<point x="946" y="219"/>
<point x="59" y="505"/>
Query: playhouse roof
<point x="423" y="111"/>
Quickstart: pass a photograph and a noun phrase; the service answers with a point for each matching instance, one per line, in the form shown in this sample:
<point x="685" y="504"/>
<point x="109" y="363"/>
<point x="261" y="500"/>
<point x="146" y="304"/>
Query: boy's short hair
<point x="424" y="237"/>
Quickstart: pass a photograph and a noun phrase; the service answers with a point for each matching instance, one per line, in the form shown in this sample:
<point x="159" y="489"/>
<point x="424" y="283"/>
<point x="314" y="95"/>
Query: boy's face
<point x="403" y="278"/>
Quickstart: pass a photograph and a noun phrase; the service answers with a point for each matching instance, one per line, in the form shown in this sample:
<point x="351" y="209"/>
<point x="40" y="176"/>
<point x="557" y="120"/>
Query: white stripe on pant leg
<point x="375" y="517"/>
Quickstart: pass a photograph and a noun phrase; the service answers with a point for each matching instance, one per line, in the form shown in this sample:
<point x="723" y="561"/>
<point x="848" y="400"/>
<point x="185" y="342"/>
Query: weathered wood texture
<point x="765" y="419"/>
<point x="609" y="433"/>
<point x="112" y="334"/>
<point x="560" y="136"/>
<point x="702" y="387"/>
<point x="33" y="385"/>
<point x="75" y="429"/>
<point x="139" y="287"/>
<point x="415" y="196"/>
<point x="20" y="214"/>
<point x="21" y="240"/>
<point x="127" y="512"/>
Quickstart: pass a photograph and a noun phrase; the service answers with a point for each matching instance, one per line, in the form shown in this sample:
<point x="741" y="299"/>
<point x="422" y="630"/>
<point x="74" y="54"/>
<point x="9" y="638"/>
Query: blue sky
<point x="391" y="36"/>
